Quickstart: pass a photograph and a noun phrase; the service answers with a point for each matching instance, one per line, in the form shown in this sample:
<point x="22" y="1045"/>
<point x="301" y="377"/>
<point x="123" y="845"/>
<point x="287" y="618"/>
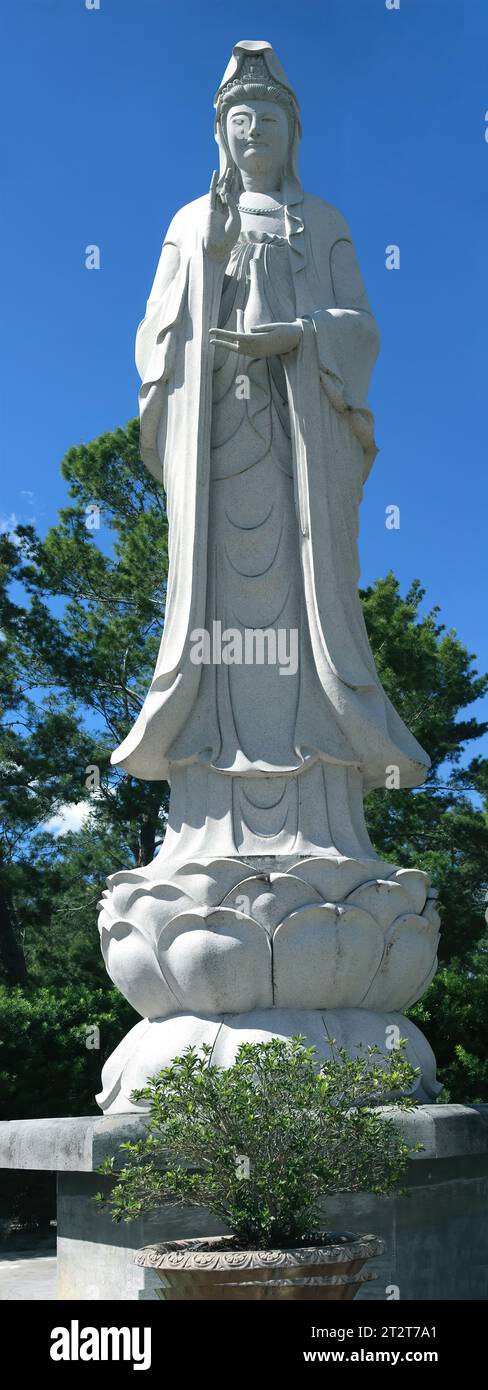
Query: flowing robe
<point x="262" y="499"/>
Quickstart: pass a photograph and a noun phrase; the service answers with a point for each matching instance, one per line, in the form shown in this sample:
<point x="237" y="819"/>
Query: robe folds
<point x="332" y="437"/>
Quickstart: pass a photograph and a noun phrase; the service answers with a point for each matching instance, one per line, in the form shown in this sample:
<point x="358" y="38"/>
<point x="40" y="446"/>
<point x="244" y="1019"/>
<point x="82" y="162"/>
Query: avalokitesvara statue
<point x="266" y="911"/>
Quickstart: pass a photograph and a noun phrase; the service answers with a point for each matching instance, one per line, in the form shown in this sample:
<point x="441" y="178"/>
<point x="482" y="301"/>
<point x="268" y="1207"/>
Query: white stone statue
<point x="266" y="909"/>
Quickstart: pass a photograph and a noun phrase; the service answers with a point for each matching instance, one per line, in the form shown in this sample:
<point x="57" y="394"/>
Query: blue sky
<point x="107" y="129"/>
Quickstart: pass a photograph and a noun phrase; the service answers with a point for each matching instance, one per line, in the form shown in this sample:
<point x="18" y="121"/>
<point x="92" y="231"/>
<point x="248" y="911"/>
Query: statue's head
<point x="258" y="136"/>
<point x="257" y="123"/>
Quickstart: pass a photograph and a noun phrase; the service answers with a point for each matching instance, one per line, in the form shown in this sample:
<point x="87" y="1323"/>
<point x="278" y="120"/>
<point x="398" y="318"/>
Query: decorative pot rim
<point x="212" y="1253"/>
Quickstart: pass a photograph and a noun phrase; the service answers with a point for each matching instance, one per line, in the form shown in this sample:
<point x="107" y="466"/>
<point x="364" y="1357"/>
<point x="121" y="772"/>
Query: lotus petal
<point x="112" y="1071"/>
<point x="384" y="898"/>
<point x="410" y="950"/>
<point x="334" y="879"/>
<point x="166" y="1039"/>
<point x="416" y="884"/>
<point x="152" y="909"/>
<point x="208" y="883"/>
<point x="217" y="961"/>
<point x="133" y="966"/>
<point x="323" y="955"/>
<point x="268" y="900"/>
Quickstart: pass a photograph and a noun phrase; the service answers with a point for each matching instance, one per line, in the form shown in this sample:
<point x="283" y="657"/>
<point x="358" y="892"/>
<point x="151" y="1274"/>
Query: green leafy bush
<point x="48" y="1064"/>
<point x="259" y="1145"/>
<point x="48" y="1067"/>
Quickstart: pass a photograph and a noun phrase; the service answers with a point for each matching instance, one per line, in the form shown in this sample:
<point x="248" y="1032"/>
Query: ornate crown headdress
<point x="255" y="80"/>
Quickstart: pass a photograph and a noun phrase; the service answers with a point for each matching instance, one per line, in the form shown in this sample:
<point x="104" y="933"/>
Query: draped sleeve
<point x="156" y="339"/>
<point x="348" y="340"/>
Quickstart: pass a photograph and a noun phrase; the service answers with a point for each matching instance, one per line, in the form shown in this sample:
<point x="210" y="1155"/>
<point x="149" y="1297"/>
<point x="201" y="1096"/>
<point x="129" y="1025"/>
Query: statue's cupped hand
<point x="266" y="340"/>
<point x="223" y="222"/>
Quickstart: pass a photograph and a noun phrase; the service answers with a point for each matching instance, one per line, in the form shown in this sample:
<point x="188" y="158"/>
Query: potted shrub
<point x="260" y="1145"/>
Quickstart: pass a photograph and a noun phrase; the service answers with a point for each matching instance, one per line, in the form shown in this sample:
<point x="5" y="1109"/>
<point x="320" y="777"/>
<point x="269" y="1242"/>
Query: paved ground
<point x="25" y="1274"/>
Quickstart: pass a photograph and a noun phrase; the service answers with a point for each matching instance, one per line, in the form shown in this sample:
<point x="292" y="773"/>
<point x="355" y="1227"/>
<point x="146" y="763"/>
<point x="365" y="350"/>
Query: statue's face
<point x="258" y="136"/>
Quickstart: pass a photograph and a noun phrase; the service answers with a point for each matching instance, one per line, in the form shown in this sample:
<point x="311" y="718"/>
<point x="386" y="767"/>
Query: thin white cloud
<point x="69" y="817"/>
<point x="8" y="526"/>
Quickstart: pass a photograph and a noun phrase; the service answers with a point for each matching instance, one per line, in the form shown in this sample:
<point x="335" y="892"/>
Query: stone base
<point x="219" y="950"/>
<point x="227" y="937"/>
<point x="436" y="1236"/>
<point x="153" y="1043"/>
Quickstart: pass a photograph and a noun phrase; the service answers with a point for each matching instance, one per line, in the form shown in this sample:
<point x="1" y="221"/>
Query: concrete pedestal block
<point x="436" y="1236"/>
<point x="96" y="1256"/>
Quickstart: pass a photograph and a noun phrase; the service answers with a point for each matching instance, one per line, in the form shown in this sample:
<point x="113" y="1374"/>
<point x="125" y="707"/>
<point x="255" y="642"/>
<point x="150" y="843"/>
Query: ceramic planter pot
<point x="329" y="1266"/>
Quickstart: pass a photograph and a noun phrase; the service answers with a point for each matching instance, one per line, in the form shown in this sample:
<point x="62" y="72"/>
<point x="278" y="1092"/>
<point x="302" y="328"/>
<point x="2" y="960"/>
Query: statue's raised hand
<point x="223" y="221"/>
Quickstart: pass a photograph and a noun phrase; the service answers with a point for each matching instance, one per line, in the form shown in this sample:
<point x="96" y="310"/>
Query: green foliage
<point x="453" y="1014"/>
<point x="428" y="674"/>
<point x="425" y="669"/>
<point x="59" y="899"/>
<point x="80" y="643"/>
<point x="46" y="1067"/>
<point x="260" y="1144"/>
